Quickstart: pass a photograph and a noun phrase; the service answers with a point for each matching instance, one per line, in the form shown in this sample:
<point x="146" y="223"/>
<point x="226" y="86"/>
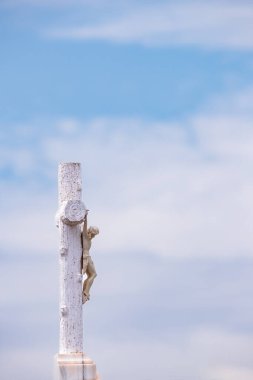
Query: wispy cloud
<point x="193" y="356"/>
<point x="179" y="190"/>
<point x="159" y="191"/>
<point x="202" y="354"/>
<point x="197" y="312"/>
<point x="206" y="24"/>
<point x="189" y="186"/>
<point x="231" y="373"/>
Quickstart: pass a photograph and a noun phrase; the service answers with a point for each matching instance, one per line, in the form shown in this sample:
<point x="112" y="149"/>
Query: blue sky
<point x="155" y="100"/>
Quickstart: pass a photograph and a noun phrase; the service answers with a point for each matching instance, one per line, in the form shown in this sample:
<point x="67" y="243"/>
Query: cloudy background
<point x="155" y="100"/>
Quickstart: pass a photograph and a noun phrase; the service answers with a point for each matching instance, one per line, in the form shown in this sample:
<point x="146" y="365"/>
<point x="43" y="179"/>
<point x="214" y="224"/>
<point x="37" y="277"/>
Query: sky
<point x="154" y="99"/>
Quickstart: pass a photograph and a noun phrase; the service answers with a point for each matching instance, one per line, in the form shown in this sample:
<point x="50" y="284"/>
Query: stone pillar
<point x="71" y="362"/>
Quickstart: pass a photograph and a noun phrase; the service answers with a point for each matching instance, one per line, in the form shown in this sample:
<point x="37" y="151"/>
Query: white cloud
<point x="231" y="373"/>
<point x="200" y="354"/>
<point x="153" y="190"/>
<point x="28" y="225"/>
<point x="233" y="104"/>
<point x="178" y="190"/>
<point x="22" y="160"/>
<point x="216" y="24"/>
<point x="158" y="316"/>
<point x="29" y="364"/>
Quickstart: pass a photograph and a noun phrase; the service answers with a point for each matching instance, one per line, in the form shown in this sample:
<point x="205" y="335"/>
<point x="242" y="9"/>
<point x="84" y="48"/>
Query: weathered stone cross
<point x="71" y="362"/>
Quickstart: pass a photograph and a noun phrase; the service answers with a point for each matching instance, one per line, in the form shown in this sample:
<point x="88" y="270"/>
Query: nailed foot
<point x="85" y="298"/>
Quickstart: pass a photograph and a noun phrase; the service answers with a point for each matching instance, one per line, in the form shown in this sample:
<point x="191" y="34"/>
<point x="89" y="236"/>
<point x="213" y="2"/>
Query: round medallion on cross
<point x="73" y="212"/>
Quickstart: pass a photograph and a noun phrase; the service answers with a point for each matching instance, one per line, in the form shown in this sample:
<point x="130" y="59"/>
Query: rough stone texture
<point x="75" y="367"/>
<point x="71" y="362"/>
<point x="71" y="326"/>
<point x="72" y="212"/>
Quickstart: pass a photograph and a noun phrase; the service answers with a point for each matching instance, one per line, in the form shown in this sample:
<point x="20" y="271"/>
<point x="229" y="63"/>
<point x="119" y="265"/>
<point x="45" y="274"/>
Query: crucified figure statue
<point x="88" y="266"/>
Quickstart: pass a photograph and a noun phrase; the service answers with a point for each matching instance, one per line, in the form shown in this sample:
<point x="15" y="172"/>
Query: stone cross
<point x="71" y="362"/>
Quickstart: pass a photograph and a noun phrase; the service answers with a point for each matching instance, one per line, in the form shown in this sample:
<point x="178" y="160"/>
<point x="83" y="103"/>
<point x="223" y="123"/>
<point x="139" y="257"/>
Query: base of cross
<point x="75" y="367"/>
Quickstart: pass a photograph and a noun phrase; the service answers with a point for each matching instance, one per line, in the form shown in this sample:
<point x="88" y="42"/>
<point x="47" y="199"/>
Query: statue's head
<point x="92" y="231"/>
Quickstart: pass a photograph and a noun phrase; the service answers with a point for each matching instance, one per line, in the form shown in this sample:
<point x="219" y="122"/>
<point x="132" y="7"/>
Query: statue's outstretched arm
<point x="85" y="227"/>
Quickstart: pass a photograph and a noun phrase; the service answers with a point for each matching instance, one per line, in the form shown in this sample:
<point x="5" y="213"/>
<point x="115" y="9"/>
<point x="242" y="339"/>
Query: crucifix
<point x="75" y="262"/>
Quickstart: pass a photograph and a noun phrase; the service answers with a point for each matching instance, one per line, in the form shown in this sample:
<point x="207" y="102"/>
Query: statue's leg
<point x="85" y="263"/>
<point x="91" y="275"/>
